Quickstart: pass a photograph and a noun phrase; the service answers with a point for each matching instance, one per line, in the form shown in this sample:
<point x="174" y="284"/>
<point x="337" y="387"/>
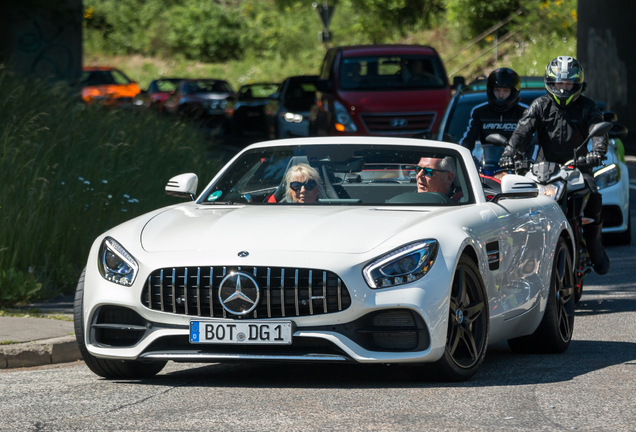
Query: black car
<point x="200" y="99"/>
<point x="247" y="113"/>
<point x="288" y="109"/>
<point x="457" y="115"/>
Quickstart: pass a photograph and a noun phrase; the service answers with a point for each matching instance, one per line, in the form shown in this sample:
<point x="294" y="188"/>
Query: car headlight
<point x="552" y="190"/>
<point x="607" y="176"/>
<point x="292" y="117"/>
<point x="403" y="265"/>
<point x="344" y="122"/>
<point x="116" y="264"/>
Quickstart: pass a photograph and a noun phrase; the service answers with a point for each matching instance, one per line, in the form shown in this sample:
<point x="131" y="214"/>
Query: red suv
<point x="396" y="90"/>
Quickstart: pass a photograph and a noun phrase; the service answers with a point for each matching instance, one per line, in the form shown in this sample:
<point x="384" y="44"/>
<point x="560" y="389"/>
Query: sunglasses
<point x="309" y="185"/>
<point x="428" y="172"/>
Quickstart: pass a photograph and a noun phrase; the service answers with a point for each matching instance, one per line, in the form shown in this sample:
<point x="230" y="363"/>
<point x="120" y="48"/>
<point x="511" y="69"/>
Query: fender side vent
<point x="492" y="250"/>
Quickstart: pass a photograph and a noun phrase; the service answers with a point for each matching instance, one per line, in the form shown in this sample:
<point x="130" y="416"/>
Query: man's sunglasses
<point x="428" y="172"/>
<point x="309" y="185"/>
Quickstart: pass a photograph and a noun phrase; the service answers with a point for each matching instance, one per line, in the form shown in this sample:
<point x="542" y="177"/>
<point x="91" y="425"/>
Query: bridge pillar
<point x="42" y="37"/>
<point x="605" y="38"/>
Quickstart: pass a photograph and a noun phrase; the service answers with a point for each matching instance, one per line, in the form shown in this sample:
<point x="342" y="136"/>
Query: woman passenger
<point x="303" y="185"/>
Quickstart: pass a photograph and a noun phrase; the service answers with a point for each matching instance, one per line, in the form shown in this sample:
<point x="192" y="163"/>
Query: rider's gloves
<point x="508" y="158"/>
<point x="594" y="158"/>
<point x="507" y="162"/>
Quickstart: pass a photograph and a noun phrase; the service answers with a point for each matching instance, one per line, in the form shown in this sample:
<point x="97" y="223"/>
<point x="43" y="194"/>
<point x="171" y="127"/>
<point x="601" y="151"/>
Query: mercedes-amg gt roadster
<point x="335" y="249"/>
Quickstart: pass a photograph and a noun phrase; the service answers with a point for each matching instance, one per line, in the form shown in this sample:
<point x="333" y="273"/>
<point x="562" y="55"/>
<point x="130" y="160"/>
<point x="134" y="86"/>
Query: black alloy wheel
<point x="468" y="326"/>
<point x="554" y="334"/>
<point x="468" y="318"/>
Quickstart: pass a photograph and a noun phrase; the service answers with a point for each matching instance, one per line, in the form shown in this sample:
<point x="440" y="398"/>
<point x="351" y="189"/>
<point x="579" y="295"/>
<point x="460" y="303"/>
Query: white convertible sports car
<point x="372" y="272"/>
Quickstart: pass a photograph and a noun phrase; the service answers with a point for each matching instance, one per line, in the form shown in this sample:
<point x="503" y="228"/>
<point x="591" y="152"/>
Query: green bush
<point x="70" y="171"/>
<point x="17" y="287"/>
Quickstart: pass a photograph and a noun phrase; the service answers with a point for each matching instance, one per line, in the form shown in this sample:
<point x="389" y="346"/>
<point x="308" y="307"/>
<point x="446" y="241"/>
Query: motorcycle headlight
<point x="344" y="122"/>
<point x="553" y="190"/>
<point x="403" y="265"/>
<point x="607" y="176"/>
<point x="116" y="264"/>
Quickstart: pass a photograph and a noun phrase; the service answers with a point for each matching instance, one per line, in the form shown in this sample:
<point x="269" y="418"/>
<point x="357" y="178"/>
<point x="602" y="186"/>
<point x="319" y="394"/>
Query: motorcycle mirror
<point x="497" y="139"/>
<point x="600" y="129"/>
<point x="597" y="130"/>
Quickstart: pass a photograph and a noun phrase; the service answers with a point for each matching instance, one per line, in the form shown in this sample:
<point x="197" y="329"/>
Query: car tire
<point x="554" y="334"/>
<point x="621" y="239"/>
<point x="111" y="369"/>
<point x="468" y="327"/>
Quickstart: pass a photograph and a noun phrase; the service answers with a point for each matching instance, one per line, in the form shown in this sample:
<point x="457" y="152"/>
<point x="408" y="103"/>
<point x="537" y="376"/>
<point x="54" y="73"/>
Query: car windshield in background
<point x="257" y="91"/>
<point x="460" y="116"/>
<point x="191" y="87"/>
<point x="391" y="72"/>
<point x="167" y="85"/>
<point x="109" y="77"/>
<point x="300" y="96"/>
<point x="344" y="174"/>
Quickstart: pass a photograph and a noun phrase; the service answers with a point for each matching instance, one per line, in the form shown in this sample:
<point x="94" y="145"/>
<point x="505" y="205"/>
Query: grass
<point x="71" y="171"/>
<point x="30" y="314"/>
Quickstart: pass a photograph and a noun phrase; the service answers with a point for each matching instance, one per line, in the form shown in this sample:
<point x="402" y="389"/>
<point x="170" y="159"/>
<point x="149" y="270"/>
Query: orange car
<point x="108" y="86"/>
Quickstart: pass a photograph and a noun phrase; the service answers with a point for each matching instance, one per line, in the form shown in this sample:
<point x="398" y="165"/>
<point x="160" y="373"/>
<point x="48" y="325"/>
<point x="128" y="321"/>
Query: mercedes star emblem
<point x="398" y="122"/>
<point x="239" y="293"/>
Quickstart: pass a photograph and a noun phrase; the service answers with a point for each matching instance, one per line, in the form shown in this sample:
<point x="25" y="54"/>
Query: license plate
<point x="244" y="332"/>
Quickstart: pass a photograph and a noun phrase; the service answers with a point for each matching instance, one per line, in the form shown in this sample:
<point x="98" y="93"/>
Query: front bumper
<point x="118" y="326"/>
<point x="615" y="211"/>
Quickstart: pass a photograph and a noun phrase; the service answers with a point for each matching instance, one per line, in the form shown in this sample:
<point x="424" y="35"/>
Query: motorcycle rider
<point x="562" y="119"/>
<point x="502" y="111"/>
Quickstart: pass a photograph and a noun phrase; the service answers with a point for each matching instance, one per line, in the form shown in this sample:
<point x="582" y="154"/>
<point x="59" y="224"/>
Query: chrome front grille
<point x="397" y="123"/>
<point x="285" y="292"/>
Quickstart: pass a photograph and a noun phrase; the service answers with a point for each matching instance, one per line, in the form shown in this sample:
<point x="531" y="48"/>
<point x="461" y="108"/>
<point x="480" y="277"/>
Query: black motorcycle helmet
<point x="564" y="69"/>
<point x="503" y="78"/>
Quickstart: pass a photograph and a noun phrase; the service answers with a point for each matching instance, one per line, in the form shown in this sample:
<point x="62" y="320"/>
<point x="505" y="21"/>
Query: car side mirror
<point x="619" y="131"/>
<point x="610" y="116"/>
<point x="516" y="186"/>
<point x="458" y="81"/>
<point x="274" y="96"/>
<point x="324" y="86"/>
<point x="183" y="186"/>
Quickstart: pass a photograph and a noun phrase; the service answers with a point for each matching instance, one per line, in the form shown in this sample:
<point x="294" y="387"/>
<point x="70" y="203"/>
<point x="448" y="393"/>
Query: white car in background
<point x="374" y="272"/>
<point x="612" y="179"/>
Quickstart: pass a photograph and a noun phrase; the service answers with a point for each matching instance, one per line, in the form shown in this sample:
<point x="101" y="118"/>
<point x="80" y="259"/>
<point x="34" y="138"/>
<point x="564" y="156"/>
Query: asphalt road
<point x="590" y="387"/>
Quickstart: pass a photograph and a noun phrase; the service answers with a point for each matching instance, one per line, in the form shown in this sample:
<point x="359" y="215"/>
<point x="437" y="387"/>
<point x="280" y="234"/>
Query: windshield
<point x="256" y="91"/>
<point x="108" y="77"/>
<point x="391" y="72"/>
<point x="190" y="87"/>
<point x="344" y="174"/>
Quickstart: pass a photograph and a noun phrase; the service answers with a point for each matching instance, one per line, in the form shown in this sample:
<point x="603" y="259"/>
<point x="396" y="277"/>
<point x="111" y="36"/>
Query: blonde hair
<point x="302" y="170"/>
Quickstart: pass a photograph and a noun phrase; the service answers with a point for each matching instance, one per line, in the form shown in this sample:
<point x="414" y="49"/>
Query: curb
<point x="38" y="353"/>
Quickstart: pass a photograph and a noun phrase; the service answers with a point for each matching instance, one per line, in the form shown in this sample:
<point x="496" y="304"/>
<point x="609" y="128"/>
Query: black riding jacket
<point x="485" y="121"/>
<point x="559" y="130"/>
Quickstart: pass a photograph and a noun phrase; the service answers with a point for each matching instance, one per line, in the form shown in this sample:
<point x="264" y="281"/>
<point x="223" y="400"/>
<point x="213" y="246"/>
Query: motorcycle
<point x="565" y="184"/>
